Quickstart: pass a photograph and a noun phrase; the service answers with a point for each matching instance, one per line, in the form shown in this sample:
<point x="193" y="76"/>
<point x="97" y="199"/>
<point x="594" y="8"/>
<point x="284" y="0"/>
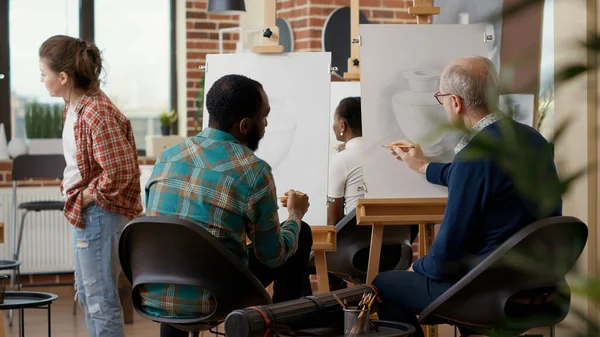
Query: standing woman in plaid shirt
<point x="101" y="183"/>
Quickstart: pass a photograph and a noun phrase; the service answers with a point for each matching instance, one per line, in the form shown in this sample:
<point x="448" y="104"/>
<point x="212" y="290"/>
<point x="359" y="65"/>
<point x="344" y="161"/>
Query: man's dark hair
<point x="349" y="111"/>
<point x="231" y="99"/>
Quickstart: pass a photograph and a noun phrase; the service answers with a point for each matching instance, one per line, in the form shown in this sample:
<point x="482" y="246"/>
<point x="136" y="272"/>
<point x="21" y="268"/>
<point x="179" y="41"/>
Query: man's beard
<point x="254" y="138"/>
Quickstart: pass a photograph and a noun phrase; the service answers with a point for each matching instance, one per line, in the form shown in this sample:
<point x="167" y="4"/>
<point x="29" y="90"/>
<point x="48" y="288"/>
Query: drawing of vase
<point x="418" y="113"/>
<point x="277" y="142"/>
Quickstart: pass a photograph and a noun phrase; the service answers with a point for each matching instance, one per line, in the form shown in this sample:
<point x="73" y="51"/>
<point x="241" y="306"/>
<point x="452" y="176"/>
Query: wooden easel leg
<point x="375" y="252"/>
<point x="429" y="235"/>
<point x="322" y="276"/>
<point x="426" y="233"/>
<point x="422" y="239"/>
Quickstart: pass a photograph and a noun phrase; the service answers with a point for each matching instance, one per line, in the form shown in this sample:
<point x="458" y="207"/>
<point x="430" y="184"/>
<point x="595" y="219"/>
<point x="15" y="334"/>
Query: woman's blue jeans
<point x="97" y="269"/>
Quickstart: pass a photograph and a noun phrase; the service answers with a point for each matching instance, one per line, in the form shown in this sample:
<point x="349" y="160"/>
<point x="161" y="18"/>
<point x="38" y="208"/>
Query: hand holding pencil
<point x="296" y="202"/>
<point x="409" y="153"/>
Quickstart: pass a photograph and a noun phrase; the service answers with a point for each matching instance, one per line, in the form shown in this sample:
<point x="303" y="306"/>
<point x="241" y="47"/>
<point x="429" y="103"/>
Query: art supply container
<point x="3" y="279"/>
<point x="356" y="321"/>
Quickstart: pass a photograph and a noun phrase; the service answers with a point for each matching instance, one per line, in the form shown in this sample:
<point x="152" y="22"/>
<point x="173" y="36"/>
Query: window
<point x="58" y="17"/>
<point x="546" y="95"/>
<point x="135" y="39"/>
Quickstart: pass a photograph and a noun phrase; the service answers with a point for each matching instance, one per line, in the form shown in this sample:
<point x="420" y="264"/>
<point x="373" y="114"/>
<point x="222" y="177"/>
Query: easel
<point x="269" y="42"/>
<point x="323" y="236"/>
<point x="422" y="9"/>
<point x="378" y="213"/>
<point x="426" y="212"/>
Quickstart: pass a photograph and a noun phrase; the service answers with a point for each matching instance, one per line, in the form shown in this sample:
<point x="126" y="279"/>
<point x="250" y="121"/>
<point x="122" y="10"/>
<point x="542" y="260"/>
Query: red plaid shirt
<point x="106" y="157"/>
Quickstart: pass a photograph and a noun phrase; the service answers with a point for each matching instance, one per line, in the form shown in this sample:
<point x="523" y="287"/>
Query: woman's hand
<point x="86" y="197"/>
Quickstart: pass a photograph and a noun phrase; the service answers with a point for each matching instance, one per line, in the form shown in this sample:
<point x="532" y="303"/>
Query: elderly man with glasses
<point x="484" y="207"/>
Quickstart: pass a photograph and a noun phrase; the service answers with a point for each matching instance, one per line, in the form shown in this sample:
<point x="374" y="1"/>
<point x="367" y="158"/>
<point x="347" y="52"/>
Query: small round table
<point x="28" y="299"/>
<point x="14" y="280"/>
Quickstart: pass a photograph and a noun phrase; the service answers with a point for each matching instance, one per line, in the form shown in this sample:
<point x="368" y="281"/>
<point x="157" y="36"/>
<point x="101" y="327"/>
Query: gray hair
<point x="475" y="82"/>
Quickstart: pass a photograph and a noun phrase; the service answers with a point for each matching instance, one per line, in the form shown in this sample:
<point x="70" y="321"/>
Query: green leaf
<point x="571" y="72"/>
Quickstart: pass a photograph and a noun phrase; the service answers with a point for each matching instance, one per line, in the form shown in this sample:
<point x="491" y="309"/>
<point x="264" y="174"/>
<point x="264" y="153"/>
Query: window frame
<point x="86" y="32"/>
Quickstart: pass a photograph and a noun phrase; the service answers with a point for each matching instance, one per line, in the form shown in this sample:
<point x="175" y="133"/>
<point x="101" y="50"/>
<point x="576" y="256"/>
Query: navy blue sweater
<point x="484" y="208"/>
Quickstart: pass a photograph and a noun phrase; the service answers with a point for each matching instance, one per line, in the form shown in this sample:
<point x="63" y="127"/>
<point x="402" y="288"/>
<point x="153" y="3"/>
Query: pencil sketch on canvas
<point x="339" y="91"/>
<point x="472" y="12"/>
<point x="399" y="81"/>
<point x="295" y="142"/>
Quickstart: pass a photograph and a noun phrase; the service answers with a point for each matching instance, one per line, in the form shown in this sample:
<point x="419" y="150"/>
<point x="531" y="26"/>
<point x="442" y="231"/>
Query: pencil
<point x="285" y="196"/>
<point x="402" y="146"/>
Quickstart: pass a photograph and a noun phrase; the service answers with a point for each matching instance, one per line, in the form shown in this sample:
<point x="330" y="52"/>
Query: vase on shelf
<point x="165" y="130"/>
<point x="418" y="113"/>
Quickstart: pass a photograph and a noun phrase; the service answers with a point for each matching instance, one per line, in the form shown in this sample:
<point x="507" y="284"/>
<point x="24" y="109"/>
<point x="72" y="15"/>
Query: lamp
<point x="226" y="6"/>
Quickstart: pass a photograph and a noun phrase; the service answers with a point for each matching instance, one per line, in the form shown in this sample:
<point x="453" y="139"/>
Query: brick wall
<point x="202" y="38"/>
<point x="307" y="17"/>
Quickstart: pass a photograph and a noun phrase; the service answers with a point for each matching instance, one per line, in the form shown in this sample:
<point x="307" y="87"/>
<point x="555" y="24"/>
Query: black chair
<point x="47" y="166"/>
<point x="351" y="259"/>
<point x="519" y="286"/>
<point x="171" y="250"/>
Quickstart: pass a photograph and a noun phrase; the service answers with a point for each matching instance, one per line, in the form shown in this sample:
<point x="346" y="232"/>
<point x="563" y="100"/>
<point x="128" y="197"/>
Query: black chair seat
<point x="519" y="286"/>
<point x="42" y="206"/>
<point x="188" y="255"/>
<point x="350" y="260"/>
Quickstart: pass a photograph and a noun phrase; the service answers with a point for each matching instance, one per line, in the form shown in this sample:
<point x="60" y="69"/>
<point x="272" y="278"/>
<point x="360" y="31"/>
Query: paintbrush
<point x="339" y="301"/>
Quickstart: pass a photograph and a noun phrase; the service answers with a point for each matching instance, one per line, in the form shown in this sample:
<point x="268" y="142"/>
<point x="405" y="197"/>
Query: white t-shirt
<point x="71" y="173"/>
<point x="346" y="178"/>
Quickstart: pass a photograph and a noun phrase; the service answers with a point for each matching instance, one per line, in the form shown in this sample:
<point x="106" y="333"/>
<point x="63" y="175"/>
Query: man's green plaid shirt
<point x="225" y="188"/>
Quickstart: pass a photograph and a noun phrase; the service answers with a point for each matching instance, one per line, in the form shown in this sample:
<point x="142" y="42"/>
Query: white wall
<point x="571" y="103"/>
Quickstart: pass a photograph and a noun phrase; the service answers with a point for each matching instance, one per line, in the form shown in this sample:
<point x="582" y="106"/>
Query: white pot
<point x="45" y="146"/>
<point x="419" y="114"/>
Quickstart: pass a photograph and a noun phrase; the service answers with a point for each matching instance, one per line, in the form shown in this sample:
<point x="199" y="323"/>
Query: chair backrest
<point x="350" y="260"/>
<point x="51" y="166"/>
<point x="171" y="250"/>
<point x="535" y="259"/>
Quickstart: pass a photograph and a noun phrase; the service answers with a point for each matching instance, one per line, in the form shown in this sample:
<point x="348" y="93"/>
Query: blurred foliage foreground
<point x="525" y="165"/>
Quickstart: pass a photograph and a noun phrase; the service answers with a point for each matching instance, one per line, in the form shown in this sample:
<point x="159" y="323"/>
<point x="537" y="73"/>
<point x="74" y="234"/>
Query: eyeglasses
<point x="438" y="95"/>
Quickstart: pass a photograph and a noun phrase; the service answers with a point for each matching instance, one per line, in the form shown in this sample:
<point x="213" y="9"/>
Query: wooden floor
<point x="64" y="324"/>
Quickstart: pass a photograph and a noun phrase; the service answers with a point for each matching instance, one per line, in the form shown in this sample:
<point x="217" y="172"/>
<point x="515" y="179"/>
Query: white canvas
<point x="339" y="91"/>
<point x="394" y="108"/>
<point x="295" y="143"/>
<point x="521" y="105"/>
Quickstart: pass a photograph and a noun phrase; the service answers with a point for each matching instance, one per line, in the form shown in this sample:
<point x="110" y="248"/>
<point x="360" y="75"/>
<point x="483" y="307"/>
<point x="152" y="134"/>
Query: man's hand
<point x="86" y="197"/>
<point x="296" y="203"/>
<point x="413" y="156"/>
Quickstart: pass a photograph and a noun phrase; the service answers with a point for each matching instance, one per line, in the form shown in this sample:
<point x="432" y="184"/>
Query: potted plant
<point x="43" y="127"/>
<point x="166" y="121"/>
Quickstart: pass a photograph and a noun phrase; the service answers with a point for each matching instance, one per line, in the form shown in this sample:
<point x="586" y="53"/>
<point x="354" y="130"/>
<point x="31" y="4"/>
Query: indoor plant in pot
<point x="43" y="126"/>
<point x="166" y="121"/>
